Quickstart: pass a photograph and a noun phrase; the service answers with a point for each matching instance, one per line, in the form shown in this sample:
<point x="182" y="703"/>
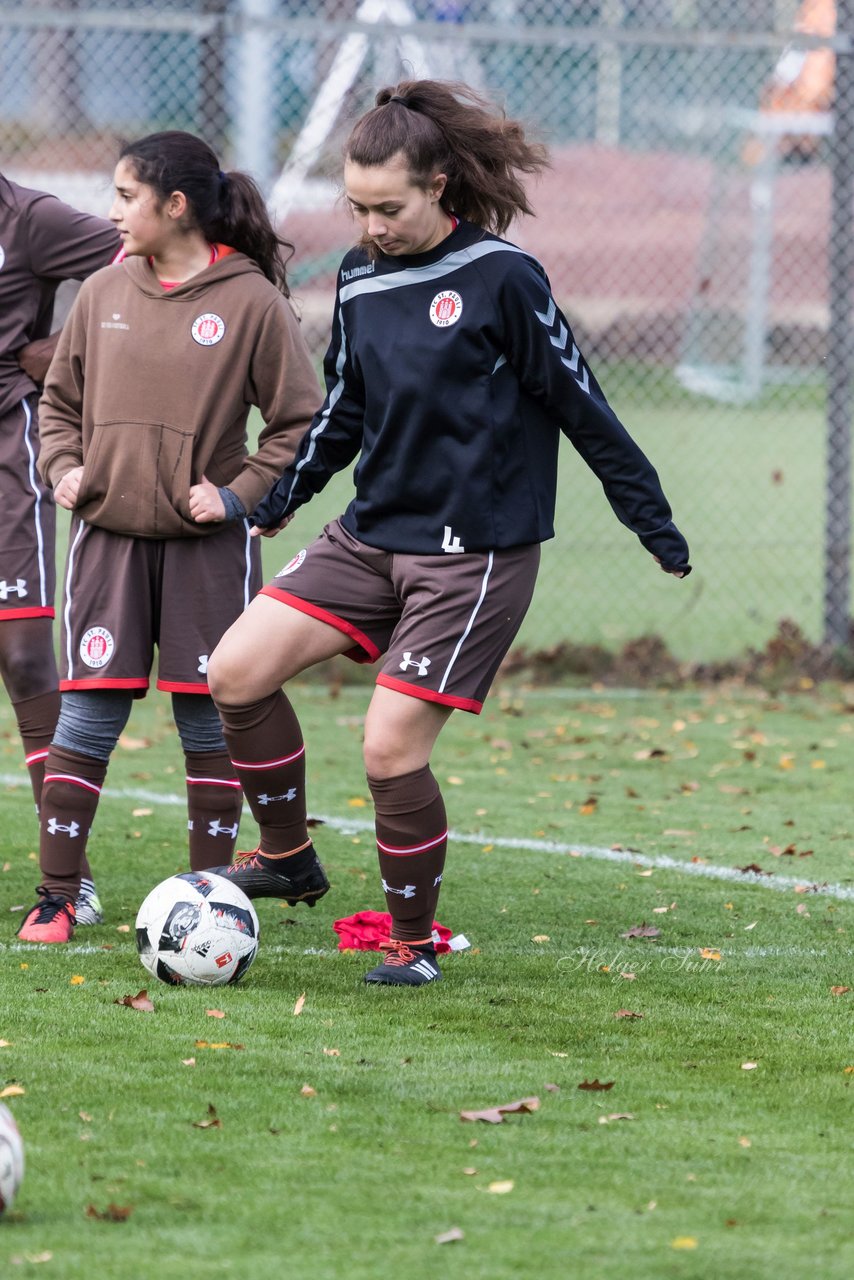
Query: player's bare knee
<point x="225" y="678"/>
<point x="384" y="757"/>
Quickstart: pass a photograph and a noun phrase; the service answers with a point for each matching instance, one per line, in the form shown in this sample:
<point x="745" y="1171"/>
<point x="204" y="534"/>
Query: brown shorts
<point x="444" y="623"/>
<point x="28" y="527"/>
<point x="125" y="595"/>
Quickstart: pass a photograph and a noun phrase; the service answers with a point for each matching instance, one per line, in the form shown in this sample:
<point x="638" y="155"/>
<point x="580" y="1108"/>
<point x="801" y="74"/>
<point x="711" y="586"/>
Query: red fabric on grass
<point x="368" y="930"/>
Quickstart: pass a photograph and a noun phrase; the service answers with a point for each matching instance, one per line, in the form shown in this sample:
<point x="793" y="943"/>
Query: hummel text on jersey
<point x="355" y="272"/>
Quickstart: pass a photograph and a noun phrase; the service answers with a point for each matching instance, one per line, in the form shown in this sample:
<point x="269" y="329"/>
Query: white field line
<point x="622" y="857"/>
<point x="585" y="953"/>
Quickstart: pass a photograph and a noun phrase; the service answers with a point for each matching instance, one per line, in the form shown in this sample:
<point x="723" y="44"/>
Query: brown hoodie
<point x="151" y="389"/>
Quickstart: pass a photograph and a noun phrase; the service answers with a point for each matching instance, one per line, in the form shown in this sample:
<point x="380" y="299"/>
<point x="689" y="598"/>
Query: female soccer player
<point x="144" y="439"/>
<point x="42" y="243"/>
<point x="451" y="373"/>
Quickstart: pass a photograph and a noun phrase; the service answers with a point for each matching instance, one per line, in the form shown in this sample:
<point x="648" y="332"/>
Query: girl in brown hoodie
<point x="144" y="439"/>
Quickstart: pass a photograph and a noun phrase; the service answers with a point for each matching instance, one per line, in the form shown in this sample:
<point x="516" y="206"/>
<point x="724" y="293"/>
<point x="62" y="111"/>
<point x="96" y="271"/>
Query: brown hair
<point x="445" y="127"/>
<point x="225" y="207"/>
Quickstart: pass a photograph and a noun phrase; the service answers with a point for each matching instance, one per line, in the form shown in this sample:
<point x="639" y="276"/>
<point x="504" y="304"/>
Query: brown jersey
<point x="150" y="389"/>
<point x="42" y="243"/>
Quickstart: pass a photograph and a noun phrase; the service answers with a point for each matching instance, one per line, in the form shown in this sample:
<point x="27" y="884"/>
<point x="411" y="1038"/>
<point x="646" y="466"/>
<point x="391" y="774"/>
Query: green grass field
<point x="339" y="1150"/>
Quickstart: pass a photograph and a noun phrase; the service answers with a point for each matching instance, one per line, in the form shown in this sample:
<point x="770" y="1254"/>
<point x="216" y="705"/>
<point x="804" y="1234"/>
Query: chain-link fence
<point x="695" y="225"/>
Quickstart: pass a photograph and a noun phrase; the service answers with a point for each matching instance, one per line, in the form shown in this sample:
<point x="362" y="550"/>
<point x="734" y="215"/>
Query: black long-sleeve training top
<point x="450" y="374"/>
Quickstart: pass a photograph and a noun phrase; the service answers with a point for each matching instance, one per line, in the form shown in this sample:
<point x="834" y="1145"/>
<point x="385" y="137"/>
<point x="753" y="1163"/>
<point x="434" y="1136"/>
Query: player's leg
<point x="28" y="671"/>
<point x="268" y="645"/>
<point x="411" y="826"/>
<point x="459" y="618"/>
<point x="90" y="722"/>
<point x="27" y="584"/>
<point x="214" y="796"/>
<point x="311" y="611"/>
<point x="105" y="655"/>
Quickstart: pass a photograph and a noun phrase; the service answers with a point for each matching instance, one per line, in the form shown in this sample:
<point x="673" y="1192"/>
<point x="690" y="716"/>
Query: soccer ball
<point x="11" y="1159"/>
<point x="197" y="928"/>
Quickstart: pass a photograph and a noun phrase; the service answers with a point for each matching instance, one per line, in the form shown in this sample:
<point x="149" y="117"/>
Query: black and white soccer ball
<point x="11" y="1159"/>
<point x="197" y="928"/>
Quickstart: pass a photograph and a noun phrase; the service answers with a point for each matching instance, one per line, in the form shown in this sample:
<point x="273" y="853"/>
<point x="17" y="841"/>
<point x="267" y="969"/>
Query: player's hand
<point x="36" y="356"/>
<point x="272" y="530"/>
<point x="206" y="505"/>
<point x="68" y="489"/>
<point x="676" y="573"/>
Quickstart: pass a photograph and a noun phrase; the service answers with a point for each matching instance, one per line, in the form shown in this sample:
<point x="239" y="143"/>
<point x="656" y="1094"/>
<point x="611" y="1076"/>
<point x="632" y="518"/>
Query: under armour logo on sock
<point x="288" y="795"/>
<point x="71" y="830"/>
<point x="216" y="828"/>
<point x="407" y="892"/>
<point x="408" y="661"/>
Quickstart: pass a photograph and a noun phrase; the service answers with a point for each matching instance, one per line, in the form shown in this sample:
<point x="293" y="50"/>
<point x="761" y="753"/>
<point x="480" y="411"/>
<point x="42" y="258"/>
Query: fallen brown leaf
<point x="839" y="991"/>
<point x="213" y="1121"/>
<point x="596" y="1084"/>
<point x="112" y="1213"/>
<point x="298" y="1007"/>
<point x="214" y="1013"/>
<point x="495" y="1115"/>
<point x="140" y="1001"/>
<point x="627" y="1013"/>
<point x="642" y="930"/>
<point x="616" y="1115"/>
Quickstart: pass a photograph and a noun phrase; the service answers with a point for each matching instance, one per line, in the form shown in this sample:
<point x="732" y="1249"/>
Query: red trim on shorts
<point x="429" y="695"/>
<point x="332" y="620"/>
<point x="38" y="611"/>
<point x="179" y="686"/>
<point x="133" y="683"/>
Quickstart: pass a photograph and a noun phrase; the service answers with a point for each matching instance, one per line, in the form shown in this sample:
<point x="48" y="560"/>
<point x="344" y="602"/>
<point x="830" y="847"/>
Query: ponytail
<point x="445" y="127"/>
<point x="244" y="224"/>
<point x="224" y="207"/>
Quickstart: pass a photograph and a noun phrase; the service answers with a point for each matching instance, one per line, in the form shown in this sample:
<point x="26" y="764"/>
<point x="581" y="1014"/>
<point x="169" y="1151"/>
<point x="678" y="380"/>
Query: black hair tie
<point x="397" y="98"/>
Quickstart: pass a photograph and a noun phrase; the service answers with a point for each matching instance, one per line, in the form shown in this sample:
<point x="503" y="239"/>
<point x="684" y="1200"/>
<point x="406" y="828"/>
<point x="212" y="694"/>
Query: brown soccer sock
<point x="37" y="719"/>
<point x="70" y="794"/>
<point x="412" y="837"/>
<point x="214" y="804"/>
<point x="267" y="751"/>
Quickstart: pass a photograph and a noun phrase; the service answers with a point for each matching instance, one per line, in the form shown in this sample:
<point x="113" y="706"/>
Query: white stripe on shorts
<point x="247" y="547"/>
<point x="469" y="624"/>
<point x="37" y="494"/>
<point x="69" y="648"/>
